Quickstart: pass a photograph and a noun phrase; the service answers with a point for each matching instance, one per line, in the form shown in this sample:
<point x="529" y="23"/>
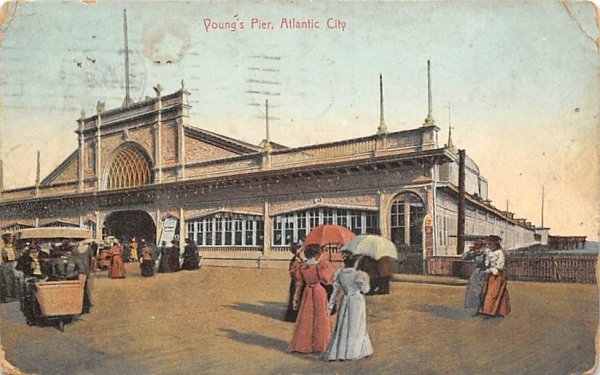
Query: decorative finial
<point x="382" y="129"/>
<point x="100" y="107"/>
<point x="82" y="114"/>
<point x="450" y="145"/>
<point x="429" y="121"/>
<point x="182" y="85"/>
<point x="158" y="89"/>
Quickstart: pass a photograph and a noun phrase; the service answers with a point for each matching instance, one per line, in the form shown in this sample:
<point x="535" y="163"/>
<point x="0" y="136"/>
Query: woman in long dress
<point x="116" y="269"/>
<point x="350" y="339"/>
<point x="476" y="286"/>
<point x="295" y="263"/>
<point x="496" y="301"/>
<point x="312" y="330"/>
<point x="147" y="265"/>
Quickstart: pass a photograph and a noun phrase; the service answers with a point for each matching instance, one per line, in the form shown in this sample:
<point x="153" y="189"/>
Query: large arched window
<point x="406" y="213"/>
<point x="129" y="168"/>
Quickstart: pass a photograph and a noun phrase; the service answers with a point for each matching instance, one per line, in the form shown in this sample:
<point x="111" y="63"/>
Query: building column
<point x="180" y="150"/>
<point x="382" y="200"/>
<point x="99" y="226"/>
<point x="158" y="144"/>
<point x="80" y="169"/>
<point x="267" y="229"/>
<point x="158" y="222"/>
<point x="182" y="230"/>
<point x="98" y="155"/>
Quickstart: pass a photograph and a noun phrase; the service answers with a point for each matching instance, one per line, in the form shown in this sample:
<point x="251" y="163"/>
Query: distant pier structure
<point x="566" y="242"/>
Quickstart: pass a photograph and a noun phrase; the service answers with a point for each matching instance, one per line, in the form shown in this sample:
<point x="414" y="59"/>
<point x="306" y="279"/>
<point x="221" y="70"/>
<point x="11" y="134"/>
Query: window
<point x="91" y="155"/>
<point x="129" y="168"/>
<point x="295" y="226"/>
<point x="407" y="213"/>
<point x="226" y="229"/>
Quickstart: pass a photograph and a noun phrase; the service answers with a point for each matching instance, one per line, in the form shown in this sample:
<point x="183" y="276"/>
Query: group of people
<point x="310" y="306"/>
<point x="168" y="258"/>
<point x="486" y="291"/>
<point x="64" y="261"/>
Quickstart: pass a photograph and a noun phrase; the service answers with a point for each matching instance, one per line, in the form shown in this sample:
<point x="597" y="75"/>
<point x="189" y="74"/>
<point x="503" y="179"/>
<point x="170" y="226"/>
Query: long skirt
<point x="350" y="339"/>
<point x="496" y="301"/>
<point x="313" y="328"/>
<point x="117" y="268"/>
<point x="290" y="313"/>
<point x="190" y="263"/>
<point x="163" y="264"/>
<point x="475" y="289"/>
<point x="147" y="268"/>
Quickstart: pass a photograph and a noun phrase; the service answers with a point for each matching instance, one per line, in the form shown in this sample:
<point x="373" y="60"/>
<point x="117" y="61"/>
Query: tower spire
<point x="37" y="175"/>
<point x="382" y="129"/>
<point x="127" y="101"/>
<point x="450" y="145"/>
<point x="267" y="143"/>
<point x="429" y="120"/>
<point x="542" y="206"/>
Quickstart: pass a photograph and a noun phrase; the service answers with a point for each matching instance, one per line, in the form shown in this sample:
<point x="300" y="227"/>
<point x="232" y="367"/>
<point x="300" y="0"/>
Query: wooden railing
<point x="574" y="268"/>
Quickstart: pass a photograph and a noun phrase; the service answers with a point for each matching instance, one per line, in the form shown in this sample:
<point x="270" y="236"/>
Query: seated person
<point x="33" y="263"/>
<point x="66" y="267"/>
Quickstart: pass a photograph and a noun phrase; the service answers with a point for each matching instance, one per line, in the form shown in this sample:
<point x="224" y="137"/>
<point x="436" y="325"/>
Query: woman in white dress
<point x="350" y="339"/>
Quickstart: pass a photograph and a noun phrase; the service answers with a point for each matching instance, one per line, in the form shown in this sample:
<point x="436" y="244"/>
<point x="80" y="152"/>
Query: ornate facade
<point x="243" y="204"/>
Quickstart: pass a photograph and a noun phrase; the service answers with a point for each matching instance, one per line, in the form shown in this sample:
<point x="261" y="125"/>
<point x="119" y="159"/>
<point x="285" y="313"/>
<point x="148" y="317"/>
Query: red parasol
<point x="328" y="234"/>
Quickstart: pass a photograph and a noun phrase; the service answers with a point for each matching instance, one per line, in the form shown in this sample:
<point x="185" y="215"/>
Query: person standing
<point x="478" y="279"/>
<point x="147" y="264"/>
<point x="163" y="263"/>
<point x="174" y="257"/>
<point x="295" y="263"/>
<point x="370" y="267"/>
<point x="9" y="287"/>
<point x="350" y="339"/>
<point x="133" y="250"/>
<point x="384" y="271"/>
<point x="86" y="258"/>
<point x="312" y="330"/>
<point x="496" y="301"/>
<point x="191" y="258"/>
<point x="116" y="269"/>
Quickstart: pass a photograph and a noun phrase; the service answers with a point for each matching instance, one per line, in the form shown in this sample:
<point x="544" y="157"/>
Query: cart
<point x="53" y="301"/>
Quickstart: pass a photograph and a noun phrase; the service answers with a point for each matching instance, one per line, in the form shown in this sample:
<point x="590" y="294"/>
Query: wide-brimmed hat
<point x="494" y="238"/>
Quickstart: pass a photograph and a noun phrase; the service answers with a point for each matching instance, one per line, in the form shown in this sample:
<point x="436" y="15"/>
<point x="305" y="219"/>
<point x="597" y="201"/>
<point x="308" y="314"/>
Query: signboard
<point x="168" y="231"/>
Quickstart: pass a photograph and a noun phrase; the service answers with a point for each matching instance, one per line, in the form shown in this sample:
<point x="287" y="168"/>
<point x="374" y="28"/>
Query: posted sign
<point x="168" y="231"/>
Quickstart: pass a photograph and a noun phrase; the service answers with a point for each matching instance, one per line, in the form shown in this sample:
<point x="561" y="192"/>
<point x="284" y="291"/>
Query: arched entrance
<point x="125" y="225"/>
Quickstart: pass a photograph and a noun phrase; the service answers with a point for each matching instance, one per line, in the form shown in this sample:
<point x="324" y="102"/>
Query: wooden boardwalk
<point x="228" y="321"/>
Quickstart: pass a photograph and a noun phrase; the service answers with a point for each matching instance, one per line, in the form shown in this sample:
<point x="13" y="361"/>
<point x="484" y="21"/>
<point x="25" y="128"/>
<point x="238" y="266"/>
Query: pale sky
<point x="521" y="80"/>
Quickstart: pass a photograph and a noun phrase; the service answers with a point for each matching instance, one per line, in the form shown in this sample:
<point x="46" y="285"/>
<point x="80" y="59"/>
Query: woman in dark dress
<point x="147" y="265"/>
<point x="295" y="263"/>
<point x="191" y="258"/>
<point x="476" y="286"/>
<point x="174" y="257"/>
<point x="163" y="263"/>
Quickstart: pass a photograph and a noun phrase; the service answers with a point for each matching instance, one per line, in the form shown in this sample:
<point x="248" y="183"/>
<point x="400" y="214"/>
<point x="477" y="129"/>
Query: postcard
<point x="251" y="187"/>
